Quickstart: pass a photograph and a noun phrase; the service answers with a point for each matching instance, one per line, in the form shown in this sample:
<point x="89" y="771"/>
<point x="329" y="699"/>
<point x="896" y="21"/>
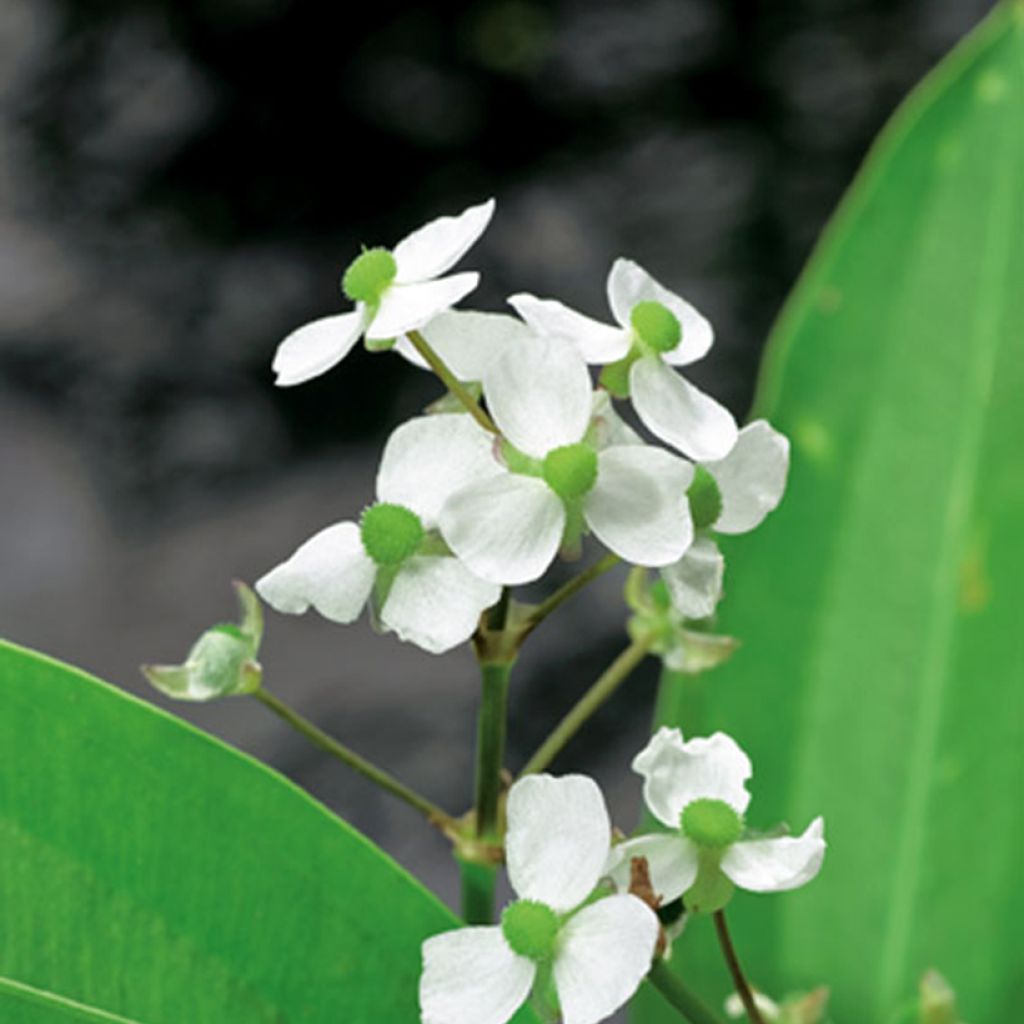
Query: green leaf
<point x="879" y="681"/>
<point x="149" y="872"/>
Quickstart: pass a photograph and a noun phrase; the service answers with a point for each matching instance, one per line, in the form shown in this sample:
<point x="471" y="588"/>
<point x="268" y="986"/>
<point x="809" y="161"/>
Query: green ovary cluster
<point x="368" y="275"/>
<point x="571" y="471"/>
<point x="531" y="929"/>
<point x="390" y="533"/>
<point x="705" y="499"/>
<point x="711" y="823"/>
<point x="656" y="326"/>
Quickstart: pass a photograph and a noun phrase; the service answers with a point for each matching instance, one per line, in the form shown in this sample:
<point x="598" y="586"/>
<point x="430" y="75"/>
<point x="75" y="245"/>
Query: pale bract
<point x="394" y="559"/>
<point x="697" y="789"/>
<point x="748" y="483"/>
<point x="655" y="331"/>
<point x="556" y="847"/>
<point x="403" y="292"/>
<point x="567" y="465"/>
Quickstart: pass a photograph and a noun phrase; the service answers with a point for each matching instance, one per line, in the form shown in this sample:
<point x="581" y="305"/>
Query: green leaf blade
<point x="151" y="872"/>
<point x="879" y="678"/>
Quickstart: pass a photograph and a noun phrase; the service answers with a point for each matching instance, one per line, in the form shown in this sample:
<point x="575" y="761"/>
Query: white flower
<point x="561" y="474"/>
<point x="557" y="842"/>
<point x="394" y="291"/>
<point x="698" y="789"/>
<point x="468" y="342"/>
<point x="730" y="495"/>
<point x="656" y="331"/>
<point x="420" y="591"/>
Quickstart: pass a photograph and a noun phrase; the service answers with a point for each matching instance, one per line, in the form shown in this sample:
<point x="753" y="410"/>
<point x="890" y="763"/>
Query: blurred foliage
<point x="879" y="678"/>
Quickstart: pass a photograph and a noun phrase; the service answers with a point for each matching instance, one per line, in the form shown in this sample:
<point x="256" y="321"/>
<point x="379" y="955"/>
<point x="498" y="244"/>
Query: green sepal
<point x="712" y="890"/>
<point x="614" y="378"/>
<point x="221" y="663"/>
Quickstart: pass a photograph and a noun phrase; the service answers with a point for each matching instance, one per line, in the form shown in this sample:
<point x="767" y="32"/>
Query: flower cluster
<point x="471" y="501"/>
<point x="577" y="938"/>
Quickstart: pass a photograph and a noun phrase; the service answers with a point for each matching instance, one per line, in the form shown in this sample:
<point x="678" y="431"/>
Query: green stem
<point x="450" y="381"/>
<point x="330" y="745"/>
<point x="478" y="877"/>
<point x="490" y="745"/>
<point x="478" y="882"/>
<point x="675" y="992"/>
<point x="733" y="963"/>
<point x="607" y="683"/>
<point x="564" y="592"/>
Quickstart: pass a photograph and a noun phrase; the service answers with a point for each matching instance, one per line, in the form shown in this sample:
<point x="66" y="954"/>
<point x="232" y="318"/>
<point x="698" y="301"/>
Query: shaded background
<point x="181" y="183"/>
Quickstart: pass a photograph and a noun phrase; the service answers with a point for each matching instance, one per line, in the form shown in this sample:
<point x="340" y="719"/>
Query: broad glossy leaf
<point x="149" y="872"/>
<point x="881" y="608"/>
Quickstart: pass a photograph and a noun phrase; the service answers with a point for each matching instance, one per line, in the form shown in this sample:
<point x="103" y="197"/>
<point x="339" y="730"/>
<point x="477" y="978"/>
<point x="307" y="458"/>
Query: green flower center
<point x="656" y="326"/>
<point x="711" y="823"/>
<point x="570" y="471"/>
<point x="390" y="533"/>
<point x="368" y="275"/>
<point x="705" y="499"/>
<point x="531" y="929"/>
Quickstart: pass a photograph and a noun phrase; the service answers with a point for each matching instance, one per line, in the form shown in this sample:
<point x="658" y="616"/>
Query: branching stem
<point x="738" y="977"/>
<point x="606" y="684"/>
<point x="676" y="993"/>
<point x="564" y="592"/>
<point x="335" y="748"/>
<point x="450" y="381"/>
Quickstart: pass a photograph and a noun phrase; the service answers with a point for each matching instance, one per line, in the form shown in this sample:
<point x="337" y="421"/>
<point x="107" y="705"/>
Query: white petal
<point x="675" y="773"/>
<point x="596" y="342"/>
<point x="604" y="952"/>
<point x="317" y="346"/>
<point x="435" y="602"/>
<point x="671" y="862"/>
<point x="776" y="865"/>
<point x="695" y="581"/>
<point x="436" y="247"/>
<point x="751" y="478"/>
<point x="331" y="572"/>
<point x="629" y="283"/>
<point x="609" y="427"/>
<point x="427" y="458"/>
<point x="678" y="413"/>
<point x="558" y="839"/>
<point x="638" y="506"/>
<point x="540" y="396"/>
<point x="471" y="976"/>
<point x="406" y="307"/>
<point x="506" y="528"/>
<point x="468" y="341"/>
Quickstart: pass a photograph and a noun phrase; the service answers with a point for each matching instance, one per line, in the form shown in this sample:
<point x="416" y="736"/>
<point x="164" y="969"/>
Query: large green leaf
<point x="881" y="608"/>
<point x="148" y="872"/>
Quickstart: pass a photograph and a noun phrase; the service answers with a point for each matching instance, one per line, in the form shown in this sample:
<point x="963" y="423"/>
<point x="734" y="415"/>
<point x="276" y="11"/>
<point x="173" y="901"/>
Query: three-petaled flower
<point x="394" y="291"/>
<point x="731" y="495"/>
<point x="394" y="555"/>
<point x="559" y="473"/>
<point x="589" y="954"/>
<point x="698" y="790"/>
<point x="656" y="330"/>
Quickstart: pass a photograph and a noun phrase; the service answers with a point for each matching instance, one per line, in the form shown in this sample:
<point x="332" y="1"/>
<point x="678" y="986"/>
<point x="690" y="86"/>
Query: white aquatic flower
<point x="393" y="555"/>
<point x="561" y="472"/>
<point x="698" y="790"/>
<point x="730" y="495"/>
<point x="394" y="291"/>
<point x="595" y="955"/>
<point x="656" y="330"/>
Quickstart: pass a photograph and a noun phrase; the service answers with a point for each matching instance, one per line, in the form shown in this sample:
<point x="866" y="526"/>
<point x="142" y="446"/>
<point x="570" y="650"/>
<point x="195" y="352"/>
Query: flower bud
<point x="221" y="663"/>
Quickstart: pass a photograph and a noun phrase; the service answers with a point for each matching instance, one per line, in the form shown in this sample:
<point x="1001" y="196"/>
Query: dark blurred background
<point x="182" y="182"/>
